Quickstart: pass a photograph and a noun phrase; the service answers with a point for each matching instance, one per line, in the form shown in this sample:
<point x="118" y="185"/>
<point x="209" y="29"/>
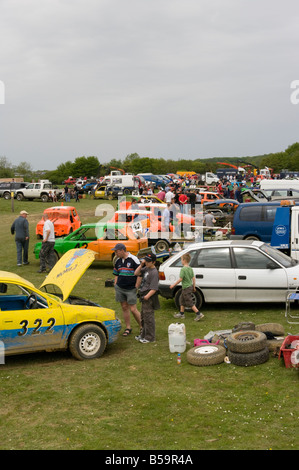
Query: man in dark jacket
<point x="20" y="228"/>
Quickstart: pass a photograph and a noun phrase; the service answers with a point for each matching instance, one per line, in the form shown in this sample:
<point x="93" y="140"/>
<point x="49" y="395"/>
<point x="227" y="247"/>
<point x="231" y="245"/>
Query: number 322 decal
<point x="38" y="322"/>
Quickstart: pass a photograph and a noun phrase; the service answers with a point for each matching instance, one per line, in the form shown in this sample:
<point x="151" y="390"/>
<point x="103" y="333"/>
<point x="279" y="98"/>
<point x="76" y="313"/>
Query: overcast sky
<point x="163" y="78"/>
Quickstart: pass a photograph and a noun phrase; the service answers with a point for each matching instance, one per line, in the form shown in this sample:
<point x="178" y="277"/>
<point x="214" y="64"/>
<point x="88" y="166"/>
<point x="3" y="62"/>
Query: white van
<point x="276" y="184"/>
<point x="127" y="182"/>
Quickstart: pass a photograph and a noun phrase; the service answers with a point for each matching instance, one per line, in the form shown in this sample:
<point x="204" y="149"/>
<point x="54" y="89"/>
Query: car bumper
<point x="165" y="291"/>
<point x="113" y="327"/>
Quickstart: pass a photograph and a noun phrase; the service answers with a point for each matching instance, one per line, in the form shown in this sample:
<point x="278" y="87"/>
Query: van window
<point x="270" y="213"/>
<point x="251" y="213"/>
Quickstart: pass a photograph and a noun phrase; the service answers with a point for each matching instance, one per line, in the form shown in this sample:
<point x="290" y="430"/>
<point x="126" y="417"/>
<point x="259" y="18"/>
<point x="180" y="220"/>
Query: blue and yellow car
<point x="49" y="318"/>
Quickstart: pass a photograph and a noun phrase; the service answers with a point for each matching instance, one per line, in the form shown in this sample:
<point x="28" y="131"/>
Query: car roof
<point x="59" y="208"/>
<point x="223" y="243"/>
<point x="257" y="203"/>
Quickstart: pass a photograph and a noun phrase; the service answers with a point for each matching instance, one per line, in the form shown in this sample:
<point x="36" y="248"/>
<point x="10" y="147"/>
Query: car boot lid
<point x="69" y="270"/>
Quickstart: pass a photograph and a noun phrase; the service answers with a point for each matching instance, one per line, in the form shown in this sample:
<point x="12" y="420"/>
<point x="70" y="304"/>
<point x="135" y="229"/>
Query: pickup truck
<point x="41" y="190"/>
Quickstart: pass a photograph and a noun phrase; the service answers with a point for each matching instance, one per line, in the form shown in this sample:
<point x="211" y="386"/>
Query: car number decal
<point x="81" y="245"/>
<point x="24" y="324"/>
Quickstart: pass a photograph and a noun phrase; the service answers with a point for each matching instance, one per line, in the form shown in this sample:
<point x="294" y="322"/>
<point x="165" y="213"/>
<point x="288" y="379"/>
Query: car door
<point x="29" y="321"/>
<point x="258" y="277"/>
<point x="214" y="274"/>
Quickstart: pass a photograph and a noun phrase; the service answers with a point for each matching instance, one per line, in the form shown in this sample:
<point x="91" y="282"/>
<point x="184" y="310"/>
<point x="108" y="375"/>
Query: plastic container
<point x="286" y="351"/>
<point x="177" y="337"/>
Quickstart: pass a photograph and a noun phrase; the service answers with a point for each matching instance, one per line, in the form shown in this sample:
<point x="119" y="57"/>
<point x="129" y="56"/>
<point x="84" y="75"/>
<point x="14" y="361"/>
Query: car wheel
<point x="249" y="359"/>
<point x="251" y="237"/>
<point x="87" y="342"/>
<point x="196" y="296"/>
<point x="206" y="355"/>
<point x="246" y="341"/>
<point x="44" y="198"/>
<point x="6" y="195"/>
<point x="161" y="245"/>
<point x="20" y="197"/>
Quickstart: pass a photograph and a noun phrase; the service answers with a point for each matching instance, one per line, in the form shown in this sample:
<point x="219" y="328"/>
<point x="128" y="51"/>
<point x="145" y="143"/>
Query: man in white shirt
<point x="169" y="196"/>
<point x="47" y="255"/>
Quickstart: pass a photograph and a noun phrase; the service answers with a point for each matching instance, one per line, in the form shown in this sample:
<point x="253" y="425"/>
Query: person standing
<point x="47" y="256"/>
<point x="149" y="298"/>
<point x="183" y="200"/>
<point x="67" y="196"/>
<point x="20" y="228"/>
<point x="125" y="284"/>
<point x="209" y="220"/>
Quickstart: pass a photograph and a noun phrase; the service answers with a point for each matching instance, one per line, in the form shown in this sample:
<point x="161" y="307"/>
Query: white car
<point x="232" y="271"/>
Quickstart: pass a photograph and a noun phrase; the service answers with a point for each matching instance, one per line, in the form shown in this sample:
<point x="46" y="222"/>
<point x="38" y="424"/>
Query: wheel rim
<point x="206" y="350"/>
<point x="89" y="344"/>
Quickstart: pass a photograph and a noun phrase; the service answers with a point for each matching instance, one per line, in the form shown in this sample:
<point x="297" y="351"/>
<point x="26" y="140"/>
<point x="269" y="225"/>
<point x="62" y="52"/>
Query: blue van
<point x="254" y="221"/>
<point x="154" y="179"/>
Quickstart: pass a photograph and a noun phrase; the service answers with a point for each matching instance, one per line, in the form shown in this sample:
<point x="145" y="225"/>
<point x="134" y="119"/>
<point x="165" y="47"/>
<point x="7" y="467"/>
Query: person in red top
<point x="183" y="200"/>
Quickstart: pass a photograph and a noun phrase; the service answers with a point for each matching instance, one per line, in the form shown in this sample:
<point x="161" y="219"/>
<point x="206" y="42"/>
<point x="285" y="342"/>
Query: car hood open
<point x="68" y="270"/>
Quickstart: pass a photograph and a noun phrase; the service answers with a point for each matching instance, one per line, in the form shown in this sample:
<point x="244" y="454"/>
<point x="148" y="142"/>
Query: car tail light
<point x="161" y="276"/>
<point x="233" y="231"/>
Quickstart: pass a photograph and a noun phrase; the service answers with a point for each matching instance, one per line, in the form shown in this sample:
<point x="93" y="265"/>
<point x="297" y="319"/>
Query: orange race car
<point x="64" y="218"/>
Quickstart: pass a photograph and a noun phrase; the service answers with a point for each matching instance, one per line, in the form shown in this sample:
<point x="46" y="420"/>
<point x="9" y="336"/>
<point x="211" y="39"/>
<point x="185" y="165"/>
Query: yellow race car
<point x="49" y="318"/>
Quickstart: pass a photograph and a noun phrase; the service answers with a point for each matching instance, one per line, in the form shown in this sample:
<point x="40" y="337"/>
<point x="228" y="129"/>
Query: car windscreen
<point x="280" y="257"/>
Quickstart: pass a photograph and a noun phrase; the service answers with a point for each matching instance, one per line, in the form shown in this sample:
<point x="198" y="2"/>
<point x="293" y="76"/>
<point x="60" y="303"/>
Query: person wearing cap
<point x="125" y="284"/>
<point x="149" y="298"/>
<point x="20" y="228"/>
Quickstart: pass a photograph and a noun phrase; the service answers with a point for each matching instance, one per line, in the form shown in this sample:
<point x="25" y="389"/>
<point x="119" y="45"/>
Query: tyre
<point x="6" y="195"/>
<point x="274" y="344"/>
<point x="197" y="299"/>
<point x="244" y="326"/>
<point x="251" y="237"/>
<point x="246" y="341"/>
<point x="275" y="328"/>
<point x="161" y="245"/>
<point x="206" y="355"/>
<point x="20" y="197"/>
<point x="87" y="342"/>
<point x="44" y="198"/>
<point x="249" y="359"/>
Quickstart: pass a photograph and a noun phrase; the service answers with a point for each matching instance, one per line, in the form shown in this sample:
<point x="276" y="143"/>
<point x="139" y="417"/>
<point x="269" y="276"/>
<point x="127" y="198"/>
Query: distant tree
<point x="6" y="170"/>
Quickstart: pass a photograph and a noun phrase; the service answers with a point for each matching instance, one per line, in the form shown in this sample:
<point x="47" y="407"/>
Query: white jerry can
<point x="177" y="337"/>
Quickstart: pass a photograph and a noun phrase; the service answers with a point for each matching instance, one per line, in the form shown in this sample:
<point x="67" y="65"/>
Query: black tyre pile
<point x="247" y="348"/>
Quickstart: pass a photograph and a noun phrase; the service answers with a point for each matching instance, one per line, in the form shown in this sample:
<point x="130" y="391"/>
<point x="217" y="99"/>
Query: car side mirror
<point x="3" y="288"/>
<point x="272" y="265"/>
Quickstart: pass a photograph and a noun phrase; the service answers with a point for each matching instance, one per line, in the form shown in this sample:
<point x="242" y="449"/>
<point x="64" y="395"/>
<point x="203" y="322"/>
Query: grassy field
<point x="136" y="396"/>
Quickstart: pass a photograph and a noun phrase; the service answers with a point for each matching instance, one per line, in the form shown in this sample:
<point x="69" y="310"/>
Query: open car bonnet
<point x="68" y="270"/>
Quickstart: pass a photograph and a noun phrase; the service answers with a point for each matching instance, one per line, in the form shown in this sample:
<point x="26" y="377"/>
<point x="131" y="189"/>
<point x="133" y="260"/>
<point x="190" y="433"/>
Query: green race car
<point x="98" y="237"/>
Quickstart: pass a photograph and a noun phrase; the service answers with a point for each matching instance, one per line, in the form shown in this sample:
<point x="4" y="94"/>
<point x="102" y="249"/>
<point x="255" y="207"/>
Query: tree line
<point x="92" y="166"/>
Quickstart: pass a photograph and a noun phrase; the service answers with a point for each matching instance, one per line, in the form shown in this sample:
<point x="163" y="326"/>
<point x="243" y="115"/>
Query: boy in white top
<point x="47" y="255"/>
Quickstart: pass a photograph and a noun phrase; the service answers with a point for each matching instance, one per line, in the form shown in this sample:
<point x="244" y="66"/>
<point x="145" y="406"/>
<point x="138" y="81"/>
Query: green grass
<point x="136" y="396"/>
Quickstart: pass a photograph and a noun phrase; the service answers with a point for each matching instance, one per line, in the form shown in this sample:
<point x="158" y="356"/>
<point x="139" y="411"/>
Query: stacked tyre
<point x="247" y="348"/>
